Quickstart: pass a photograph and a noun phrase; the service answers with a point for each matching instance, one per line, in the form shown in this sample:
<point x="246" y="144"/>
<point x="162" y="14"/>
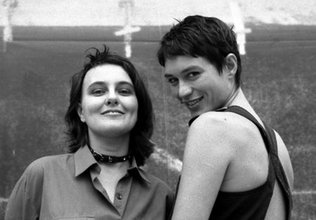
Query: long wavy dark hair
<point x="199" y="36"/>
<point x="140" y="145"/>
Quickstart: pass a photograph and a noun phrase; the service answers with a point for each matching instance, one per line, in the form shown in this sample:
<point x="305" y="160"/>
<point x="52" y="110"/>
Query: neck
<point x="238" y="98"/>
<point x="113" y="146"/>
<point x="233" y="95"/>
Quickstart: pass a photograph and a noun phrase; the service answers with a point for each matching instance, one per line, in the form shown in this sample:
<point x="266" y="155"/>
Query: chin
<point x="116" y="132"/>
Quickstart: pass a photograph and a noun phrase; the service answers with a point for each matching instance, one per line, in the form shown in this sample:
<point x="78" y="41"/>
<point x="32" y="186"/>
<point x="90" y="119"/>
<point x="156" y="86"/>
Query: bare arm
<point x="285" y="160"/>
<point x="207" y="155"/>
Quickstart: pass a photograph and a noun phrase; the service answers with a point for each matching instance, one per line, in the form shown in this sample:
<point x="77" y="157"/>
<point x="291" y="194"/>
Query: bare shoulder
<point x="285" y="159"/>
<point x="209" y="132"/>
<point x="220" y="131"/>
<point x="224" y="125"/>
<point x="213" y="120"/>
<point x="211" y="124"/>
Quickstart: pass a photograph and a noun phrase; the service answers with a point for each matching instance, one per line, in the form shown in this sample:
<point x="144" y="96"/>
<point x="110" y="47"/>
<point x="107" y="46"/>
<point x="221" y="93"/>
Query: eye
<point x="172" y="81"/>
<point x="97" y="92"/>
<point x="126" y="91"/>
<point x="193" y="75"/>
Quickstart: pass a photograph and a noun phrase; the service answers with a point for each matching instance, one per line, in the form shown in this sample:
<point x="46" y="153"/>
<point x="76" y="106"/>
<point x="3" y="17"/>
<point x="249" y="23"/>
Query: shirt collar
<point x="84" y="160"/>
<point x="138" y="171"/>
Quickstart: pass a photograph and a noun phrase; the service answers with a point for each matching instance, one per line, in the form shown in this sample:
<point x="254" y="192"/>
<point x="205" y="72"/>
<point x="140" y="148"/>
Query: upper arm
<point x="207" y="156"/>
<point x="285" y="160"/>
<point x="25" y="198"/>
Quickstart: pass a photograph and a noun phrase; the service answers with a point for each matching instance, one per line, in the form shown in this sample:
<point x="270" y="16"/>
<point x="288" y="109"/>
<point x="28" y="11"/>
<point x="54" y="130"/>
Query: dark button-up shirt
<point x="67" y="187"/>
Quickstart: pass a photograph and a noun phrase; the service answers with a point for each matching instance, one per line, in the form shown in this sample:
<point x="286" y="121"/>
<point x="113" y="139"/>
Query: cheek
<point x="136" y="111"/>
<point x="89" y="107"/>
<point x="174" y="91"/>
<point x="130" y="104"/>
<point x="135" y="106"/>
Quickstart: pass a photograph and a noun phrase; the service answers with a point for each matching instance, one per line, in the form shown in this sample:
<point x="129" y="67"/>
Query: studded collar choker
<point x="102" y="158"/>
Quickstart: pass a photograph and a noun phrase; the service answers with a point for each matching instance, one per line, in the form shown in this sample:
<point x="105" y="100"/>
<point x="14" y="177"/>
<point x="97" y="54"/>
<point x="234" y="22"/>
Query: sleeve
<point x="25" y="200"/>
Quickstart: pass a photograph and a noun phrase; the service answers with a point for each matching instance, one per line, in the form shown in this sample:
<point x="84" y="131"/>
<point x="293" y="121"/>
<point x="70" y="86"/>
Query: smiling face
<point x="198" y="84"/>
<point x="108" y="104"/>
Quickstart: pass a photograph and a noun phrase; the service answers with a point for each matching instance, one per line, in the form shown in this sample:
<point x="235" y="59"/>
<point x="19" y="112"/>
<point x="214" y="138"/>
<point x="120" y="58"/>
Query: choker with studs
<point x="102" y="158"/>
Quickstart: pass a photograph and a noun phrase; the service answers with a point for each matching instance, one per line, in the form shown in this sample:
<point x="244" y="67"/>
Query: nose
<point x="111" y="99"/>
<point x="184" y="90"/>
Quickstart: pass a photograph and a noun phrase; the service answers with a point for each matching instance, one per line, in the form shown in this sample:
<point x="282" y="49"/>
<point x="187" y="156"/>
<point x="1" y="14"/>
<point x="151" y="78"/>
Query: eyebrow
<point x="101" y="83"/>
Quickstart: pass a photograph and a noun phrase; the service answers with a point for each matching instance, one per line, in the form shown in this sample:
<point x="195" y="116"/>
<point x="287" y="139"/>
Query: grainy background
<point x="279" y="74"/>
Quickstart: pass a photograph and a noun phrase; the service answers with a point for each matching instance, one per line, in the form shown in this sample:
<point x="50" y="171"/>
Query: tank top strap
<point x="266" y="138"/>
<point x="269" y="138"/>
<point x="280" y="173"/>
<point x="243" y="112"/>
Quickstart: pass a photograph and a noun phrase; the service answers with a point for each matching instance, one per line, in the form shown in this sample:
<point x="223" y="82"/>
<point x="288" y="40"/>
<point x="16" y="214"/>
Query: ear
<point x="80" y="113"/>
<point x="231" y="65"/>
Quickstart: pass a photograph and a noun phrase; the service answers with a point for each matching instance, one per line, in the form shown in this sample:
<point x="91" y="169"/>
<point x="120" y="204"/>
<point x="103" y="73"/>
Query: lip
<point x="112" y="112"/>
<point x="193" y="102"/>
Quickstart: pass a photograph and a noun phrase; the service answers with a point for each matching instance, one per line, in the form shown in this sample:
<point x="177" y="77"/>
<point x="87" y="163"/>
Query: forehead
<point x="108" y="73"/>
<point x="179" y="64"/>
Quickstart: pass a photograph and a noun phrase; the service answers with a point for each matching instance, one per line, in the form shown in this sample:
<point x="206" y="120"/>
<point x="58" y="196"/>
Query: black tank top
<point x="253" y="204"/>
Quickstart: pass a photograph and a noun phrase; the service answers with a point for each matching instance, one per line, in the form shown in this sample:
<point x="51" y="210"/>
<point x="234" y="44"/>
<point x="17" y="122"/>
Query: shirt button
<point x="119" y="196"/>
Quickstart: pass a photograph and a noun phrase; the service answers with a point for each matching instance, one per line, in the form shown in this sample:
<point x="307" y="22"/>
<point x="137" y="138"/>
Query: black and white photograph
<point x="158" y="110"/>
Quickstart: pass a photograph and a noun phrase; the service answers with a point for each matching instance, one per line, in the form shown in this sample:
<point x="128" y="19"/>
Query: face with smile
<point x="198" y="84"/>
<point x="108" y="104"/>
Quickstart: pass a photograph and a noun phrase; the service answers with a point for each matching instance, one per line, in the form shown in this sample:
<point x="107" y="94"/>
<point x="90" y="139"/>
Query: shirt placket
<point x="121" y="194"/>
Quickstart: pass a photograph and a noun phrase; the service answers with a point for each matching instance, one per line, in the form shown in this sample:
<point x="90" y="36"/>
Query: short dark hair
<point x="140" y="145"/>
<point x="199" y="36"/>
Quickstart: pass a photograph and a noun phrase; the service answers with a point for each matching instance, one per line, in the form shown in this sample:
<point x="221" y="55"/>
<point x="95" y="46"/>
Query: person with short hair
<point x="109" y="125"/>
<point x="234" y="166"/>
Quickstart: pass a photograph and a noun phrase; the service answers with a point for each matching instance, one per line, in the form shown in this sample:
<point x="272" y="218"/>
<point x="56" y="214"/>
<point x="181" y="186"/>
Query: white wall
<point x="156" y="12"/>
